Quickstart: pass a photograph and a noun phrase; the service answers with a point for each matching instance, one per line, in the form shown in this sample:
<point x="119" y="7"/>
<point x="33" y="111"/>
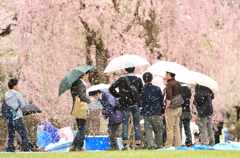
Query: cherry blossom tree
<point x="58" y="35"/>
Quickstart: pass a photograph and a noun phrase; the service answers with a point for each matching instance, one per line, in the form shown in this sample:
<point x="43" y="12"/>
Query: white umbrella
<point x="98" y="87"/>
<point x="204" y="80"/>
<point x="161" y="67"/>
<point x="185" y="77"/>
<point x="125" y="61"/>
<point x="181" y="72"/>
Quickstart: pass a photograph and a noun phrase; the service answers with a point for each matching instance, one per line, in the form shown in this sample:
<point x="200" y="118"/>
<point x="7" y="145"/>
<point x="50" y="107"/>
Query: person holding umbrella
<point x="78" y="88"/>
<point x="173" y="88"/>
<point x="128" y="103"/>
<point x="203" y="100"/>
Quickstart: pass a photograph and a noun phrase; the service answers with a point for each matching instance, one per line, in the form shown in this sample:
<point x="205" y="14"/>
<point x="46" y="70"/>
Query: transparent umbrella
<point x="125" y="61"/>
<point x="98" y="87"/>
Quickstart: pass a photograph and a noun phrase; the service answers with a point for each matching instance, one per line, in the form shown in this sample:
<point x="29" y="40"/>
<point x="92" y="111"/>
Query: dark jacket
<point x="78" y="88"/>
<point x="203" y="100"/>
<point x="124" y="95"/>
<point x="152" y="100"/>
<point x="173" y="88"/>
<point x="186" y="97"/>
<point x="110" y="107"/>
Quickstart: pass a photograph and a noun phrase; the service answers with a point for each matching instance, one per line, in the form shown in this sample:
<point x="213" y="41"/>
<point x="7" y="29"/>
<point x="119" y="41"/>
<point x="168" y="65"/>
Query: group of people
<point x="132" y="99"/>
<point x="121" y="101"/>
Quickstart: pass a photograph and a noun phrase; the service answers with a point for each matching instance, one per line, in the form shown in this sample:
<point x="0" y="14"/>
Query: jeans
<point x="135" y="110"/>
<point x="78" y="141"/>
<point x="153" y="123"/>
<point x="17" y="125"/>
<point x="112" y="129"/>
<point x="185" y="121"/>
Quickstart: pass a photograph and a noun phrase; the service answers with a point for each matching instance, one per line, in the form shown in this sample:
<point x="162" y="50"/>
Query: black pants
<point x="185" y="121"/>
<point x="78" y="141"/>
<point x="112" y="129"/>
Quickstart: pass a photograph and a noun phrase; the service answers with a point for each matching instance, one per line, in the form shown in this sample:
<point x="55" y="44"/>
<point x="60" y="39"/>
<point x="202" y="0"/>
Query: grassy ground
<point x="126" y="154"/>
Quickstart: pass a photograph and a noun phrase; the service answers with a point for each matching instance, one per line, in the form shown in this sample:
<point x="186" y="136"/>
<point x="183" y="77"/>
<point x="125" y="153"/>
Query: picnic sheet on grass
<point x="219" y="146"/>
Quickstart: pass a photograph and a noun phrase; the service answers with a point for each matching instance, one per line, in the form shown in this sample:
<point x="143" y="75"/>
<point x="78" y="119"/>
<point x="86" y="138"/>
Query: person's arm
<point x="21" y="100"/>
<point x="113" y="87"/>
<point x="169" y="95"/>
<point x="160" y="98"/>
<point x="82" y="92"/>
<point x="140" y="88"/>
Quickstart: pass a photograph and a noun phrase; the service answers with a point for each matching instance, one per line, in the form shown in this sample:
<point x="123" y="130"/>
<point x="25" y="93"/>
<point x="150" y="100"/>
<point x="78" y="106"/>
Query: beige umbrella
<point x="204" y="80"/>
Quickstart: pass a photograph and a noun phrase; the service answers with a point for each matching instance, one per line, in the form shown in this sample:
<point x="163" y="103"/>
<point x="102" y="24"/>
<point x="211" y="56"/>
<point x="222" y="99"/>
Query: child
<point x="110" y="110"/>
<point x="152" y="104"/>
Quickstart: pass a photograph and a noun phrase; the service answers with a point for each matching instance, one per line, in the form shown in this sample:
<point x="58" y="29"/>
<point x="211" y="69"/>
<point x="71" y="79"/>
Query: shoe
<point x="72" y="148"/>
<point x="137" y="147"/>
<point x="80" y="149"/>
<point x="125" y="147"/>
<point x="112" y="148"/>
<point x="152" y="148"/>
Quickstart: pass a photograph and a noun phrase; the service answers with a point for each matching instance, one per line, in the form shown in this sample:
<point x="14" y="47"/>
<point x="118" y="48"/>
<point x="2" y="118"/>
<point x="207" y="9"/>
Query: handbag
<point x="177" y="100"/>
<point x="79" y="109"/>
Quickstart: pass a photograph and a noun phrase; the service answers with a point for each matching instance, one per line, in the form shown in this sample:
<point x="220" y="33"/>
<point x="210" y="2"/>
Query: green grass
<point x="126" y="154"/>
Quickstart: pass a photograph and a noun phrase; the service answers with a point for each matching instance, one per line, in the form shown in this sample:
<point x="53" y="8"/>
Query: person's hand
<point x="100" y="116"/>
<point x="91" y="98"/>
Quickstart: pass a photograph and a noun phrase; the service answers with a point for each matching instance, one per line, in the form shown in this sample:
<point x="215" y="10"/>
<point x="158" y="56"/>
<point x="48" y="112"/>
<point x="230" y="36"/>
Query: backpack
<point x="8" y="113"/>
<point x="135" y="93"/>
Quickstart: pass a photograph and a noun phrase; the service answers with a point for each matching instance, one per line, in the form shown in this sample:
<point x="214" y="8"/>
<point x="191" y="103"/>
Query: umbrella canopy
<point x="125" y="61"/>
<point x="181" y="72"/>
<point x="30" y="109"/>
<point x="204" y="80"/>
<point x="161" y="67"/>
<point x="98" y="87"/>
<point x="72" y="76"/>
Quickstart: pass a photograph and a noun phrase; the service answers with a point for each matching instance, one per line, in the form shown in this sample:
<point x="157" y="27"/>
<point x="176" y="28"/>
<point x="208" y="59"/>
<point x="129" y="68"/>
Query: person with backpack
<point x="15" y="100"/>
<point x="152" y="109"/>
<point x="130" y="91"/>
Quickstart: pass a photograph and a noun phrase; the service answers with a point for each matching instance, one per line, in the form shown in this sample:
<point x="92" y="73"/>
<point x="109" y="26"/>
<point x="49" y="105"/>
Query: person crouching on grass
<point x="110" y="110"/>
<point x="152" y="104"/>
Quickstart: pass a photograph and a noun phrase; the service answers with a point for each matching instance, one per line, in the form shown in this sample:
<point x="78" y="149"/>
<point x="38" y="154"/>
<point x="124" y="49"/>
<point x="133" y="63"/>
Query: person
<point x="203" y="101"/>
<point x="217" y="130"/>
<point x="110" y="110"/>
<point x="186" y="115"/>
<point x="173" y="88"/>
<point x="79" y="89"/>
<point x="152" y="103"/>
<point x="164" y="135"/>
<point x="15" y="100"/>
<point x="128" y="105"/>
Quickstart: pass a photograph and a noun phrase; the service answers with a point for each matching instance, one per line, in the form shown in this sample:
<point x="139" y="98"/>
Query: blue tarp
<point x="43" y="138"/>
<point x="219" y="146"/>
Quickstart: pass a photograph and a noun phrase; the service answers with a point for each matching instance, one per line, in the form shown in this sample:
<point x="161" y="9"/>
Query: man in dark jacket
<point x="152" y="104"/>
<point x="186" y="115"/>
<point x="79" y="89"/>
<point x="203" y="100"/>
<point x="173" y="88"/>
<point x="128" y="105"/>
<point x="110" y="110"/>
